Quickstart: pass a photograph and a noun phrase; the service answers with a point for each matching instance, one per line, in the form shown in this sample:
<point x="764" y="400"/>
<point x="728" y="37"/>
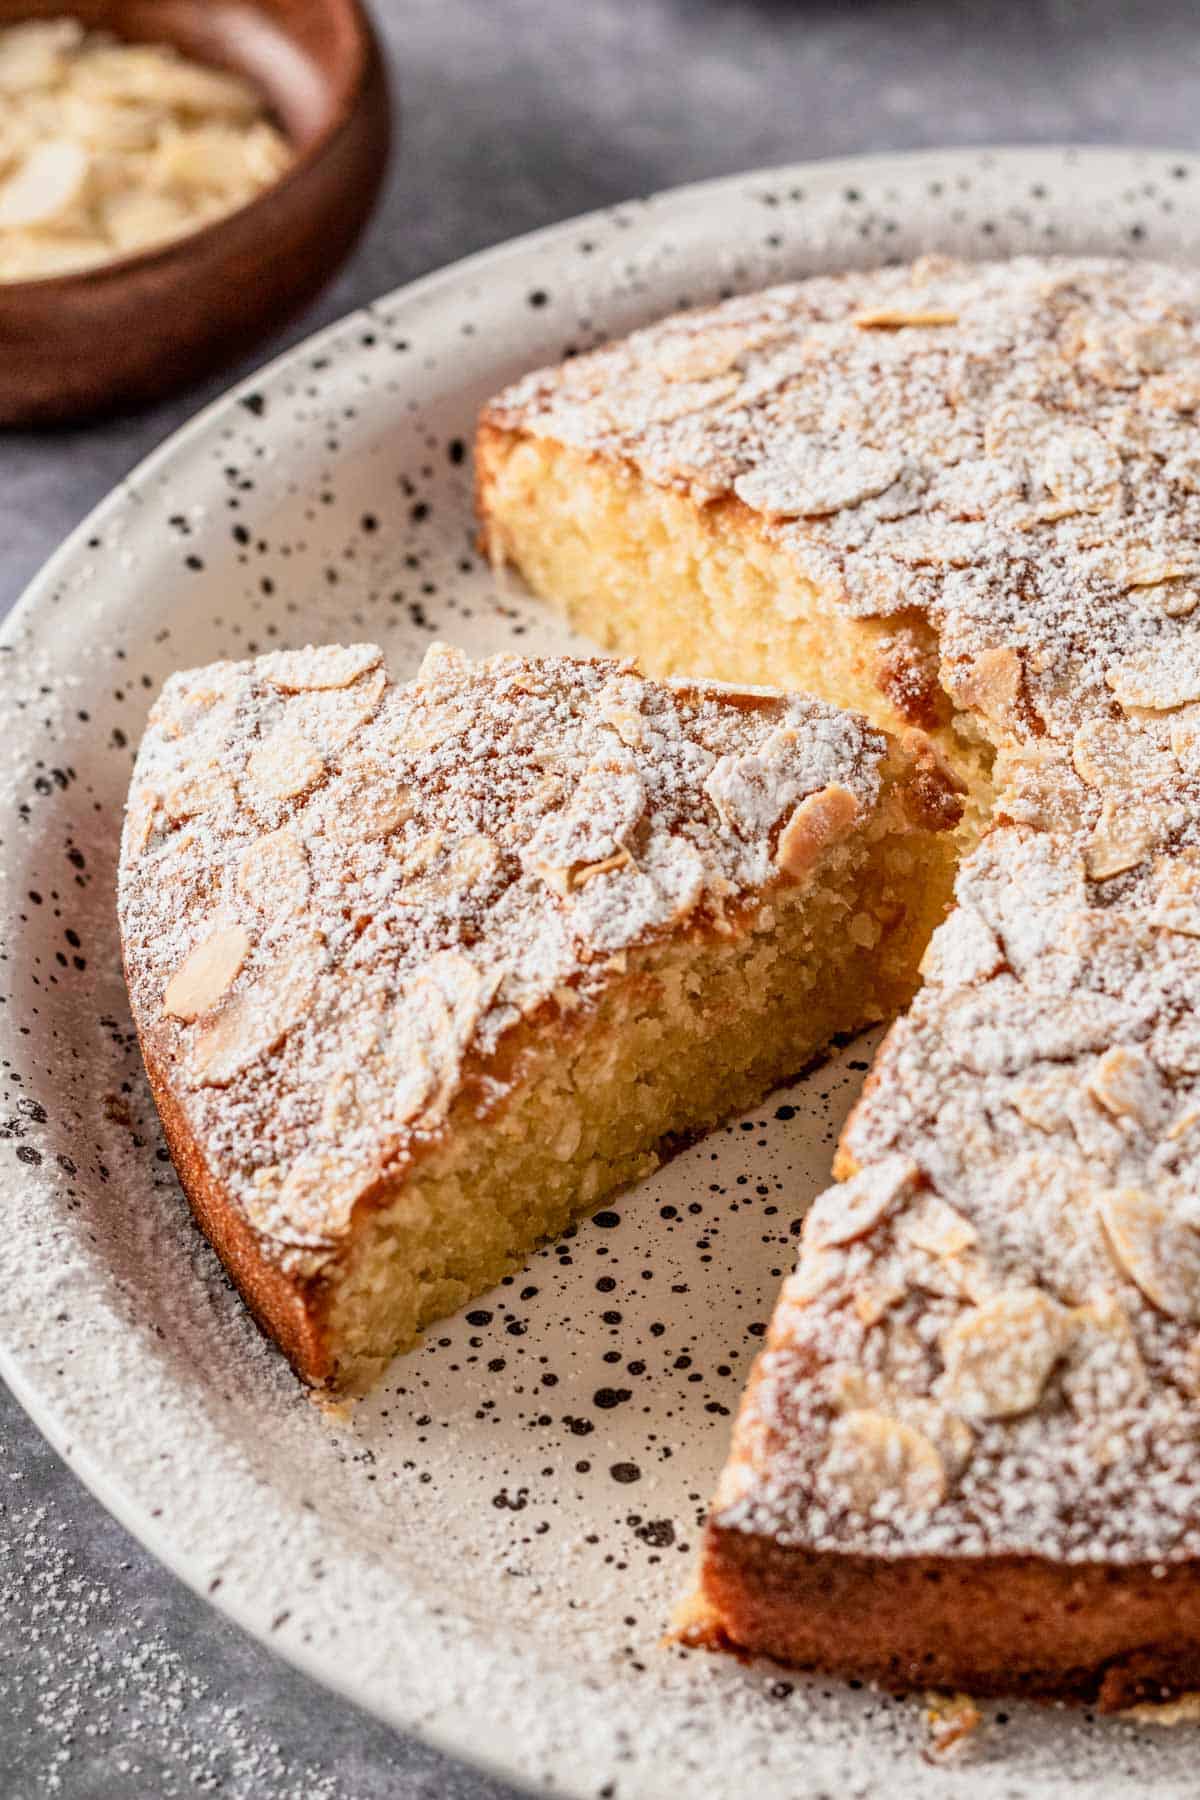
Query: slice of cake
<point x="963" y="497"/>
<point x="968" y="1455"/>
<point x="422" y="972"/>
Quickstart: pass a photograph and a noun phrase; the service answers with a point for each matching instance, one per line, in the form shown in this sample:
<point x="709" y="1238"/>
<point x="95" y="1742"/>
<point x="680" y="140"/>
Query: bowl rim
<point x="368" y="57"/>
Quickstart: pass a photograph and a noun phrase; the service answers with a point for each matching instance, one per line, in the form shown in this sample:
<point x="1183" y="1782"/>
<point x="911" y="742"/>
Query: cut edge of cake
<point x="422" y="973"/>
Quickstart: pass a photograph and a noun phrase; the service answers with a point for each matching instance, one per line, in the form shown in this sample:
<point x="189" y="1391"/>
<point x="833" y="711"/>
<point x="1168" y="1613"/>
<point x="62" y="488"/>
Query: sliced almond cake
<point x="422" y="972"/>
<point x="964" y="499"/>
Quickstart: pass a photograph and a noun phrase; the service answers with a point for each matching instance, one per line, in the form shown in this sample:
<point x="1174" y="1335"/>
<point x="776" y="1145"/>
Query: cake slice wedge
<point x="420" y="973"/>
<point x="967" y="1456"/>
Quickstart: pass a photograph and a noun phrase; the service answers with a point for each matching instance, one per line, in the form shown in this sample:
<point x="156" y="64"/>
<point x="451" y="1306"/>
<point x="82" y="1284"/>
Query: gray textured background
<point x="113" y="1680"/>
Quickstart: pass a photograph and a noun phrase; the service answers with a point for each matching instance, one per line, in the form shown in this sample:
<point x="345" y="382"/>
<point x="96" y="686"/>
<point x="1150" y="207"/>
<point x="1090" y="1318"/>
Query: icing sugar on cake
<point x="989" y="1348"/>
<point x="370" y="882"/>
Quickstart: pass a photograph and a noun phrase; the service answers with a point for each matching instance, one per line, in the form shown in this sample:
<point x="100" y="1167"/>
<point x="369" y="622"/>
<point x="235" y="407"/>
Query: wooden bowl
<point x="130" y="331"/>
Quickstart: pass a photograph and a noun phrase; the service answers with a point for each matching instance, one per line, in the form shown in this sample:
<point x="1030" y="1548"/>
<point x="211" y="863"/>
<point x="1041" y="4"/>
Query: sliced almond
<point x="1158" y="1253"/>
<point x="48" y="187"/>
<point x="880" y="1462"/>
<point x="1159" y="677"/>
<point x="607" y="865"/>
<point x="1112" y="753"/>
<point x="820" y="821"/>
<point x="197" y="791"/>
<point x="1104" y="1368"/>
<point x="207" y="974"/>
<point x="285" y="765"/>
<point x="999" y="1356"/>
<point x="317" y="670"/>
<point x="852" y="1208"/>
<point x="255" y="1021"/>
<point x="442" y="665"/>
<point x="963" y="951"/>
<point x="897" y="318"/>
<point x="990" y="682"/>
<point x="1177" y="903"/>
<point x="1128" y="1085"/>
<point x="702" y="356"/>
<point x="1185" y="739"/>
<point x="273" y="873"/>
<point x="1120" y="842"/>
<point x="938" y="1228"/>
<point x="1178" y="390"/>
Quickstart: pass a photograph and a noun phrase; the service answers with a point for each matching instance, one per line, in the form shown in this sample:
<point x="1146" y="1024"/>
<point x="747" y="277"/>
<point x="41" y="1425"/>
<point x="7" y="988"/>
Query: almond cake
<point x="964" y="499"/>
<point x="421" y="972"/>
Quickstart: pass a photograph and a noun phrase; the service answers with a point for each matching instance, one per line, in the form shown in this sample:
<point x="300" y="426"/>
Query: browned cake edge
<point x="1114" y="1636"/>
<point x="285" y="1307"/>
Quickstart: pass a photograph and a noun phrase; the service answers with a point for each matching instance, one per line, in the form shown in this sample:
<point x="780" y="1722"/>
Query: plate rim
<point x="118" y="1494"/>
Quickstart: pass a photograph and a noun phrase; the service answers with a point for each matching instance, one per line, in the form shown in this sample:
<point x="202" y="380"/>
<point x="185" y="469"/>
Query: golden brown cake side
<point x="420" y="973"/>
<point x="978" y="1404"/>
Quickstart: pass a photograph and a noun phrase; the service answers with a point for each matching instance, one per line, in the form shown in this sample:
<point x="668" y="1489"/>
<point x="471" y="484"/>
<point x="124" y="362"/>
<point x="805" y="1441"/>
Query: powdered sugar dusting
<point x="336" y="892"/>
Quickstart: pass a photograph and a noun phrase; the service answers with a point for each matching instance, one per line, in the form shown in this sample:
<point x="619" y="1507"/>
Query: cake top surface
<point x="336" y="893"/>
<point x="991" y="1340"/>
<point x="1010" y="447"/>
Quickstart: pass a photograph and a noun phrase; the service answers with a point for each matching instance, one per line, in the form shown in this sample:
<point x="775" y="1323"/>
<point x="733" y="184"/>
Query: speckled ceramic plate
<point x="487" y="1552"/>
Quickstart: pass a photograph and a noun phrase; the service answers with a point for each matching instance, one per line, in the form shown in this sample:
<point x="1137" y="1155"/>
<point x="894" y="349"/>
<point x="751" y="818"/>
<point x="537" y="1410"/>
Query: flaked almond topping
<point x="198" y="791"/>
<point x="315" y="670"/>
<point x="700" y="358"/>
<point x="896" y="318"/>
<point x="1158" y="1253"/>
<point x="255" y="1021"/>
<point x="1177" y="903"/>
<point x="999" y="1356"/>
<point x="962" y="951"/>
<point x="1178" y="390"/>
<point x="273" y="873"/>
<point x="820" y="821"/>
<point x="1126" y="1083"/>
<point x="1185" y="739"/>
<point x="207" y="974"/>
<point x="586" y="872"/>
<point x="937" y="1227"/>
<point x="1109" y="753"/>
<point x="1120" y="841"/>
<point x="991" y="681"/>
<point x="1104" y="1367"/>
<point x="1158" y="678"/>
<point x="1149" y="569"/>
<point x="855" y="1207"/>
<point x="877" y="1461"/>
<point x="442" y="665"/>
<point x="285" y="765"/>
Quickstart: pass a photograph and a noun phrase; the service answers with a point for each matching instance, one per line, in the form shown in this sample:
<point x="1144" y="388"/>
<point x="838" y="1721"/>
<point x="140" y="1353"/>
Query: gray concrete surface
<point x="113" y="1680"/>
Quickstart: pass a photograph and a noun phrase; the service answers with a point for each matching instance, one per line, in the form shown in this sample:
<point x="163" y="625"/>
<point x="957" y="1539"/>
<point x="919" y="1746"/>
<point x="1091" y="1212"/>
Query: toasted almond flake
<point x="1115" y="753"/>
<point x="1104" y="1370"/>
<point x="314" y="670"/>
<point x="1149" y="570"/>
<point x="1127" y="1084"/>
<point x="820" y="821"/>
<point x="962" y="951"/>
<point x="999" y="1356"/>
<point x="255" y="1021"/>
<point x="1185" y="739"/>
<point x="700" y="358"/>
<point x="207" y="974"/>
<point x="1158" y="1253"/>
<point x="935" y="1226"/>
<point x="852" y="1208"/>
<point x="285" y="765"/>
<point x="1177" y="902"/>
<point x="47" y="188"/>
<point x="273" y="873"/>
<point x="991" y="681"/>
<point x="1121" y="841"/>
<point x="197" y="791"/>
<point x="1176" y="391"/>
<point x="877" y="1461"/>
<point x="896" y="318"/>
<point x="953" y="1722"/>
<point x="1157" y="678"/>
<point x="620" y="859"/>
